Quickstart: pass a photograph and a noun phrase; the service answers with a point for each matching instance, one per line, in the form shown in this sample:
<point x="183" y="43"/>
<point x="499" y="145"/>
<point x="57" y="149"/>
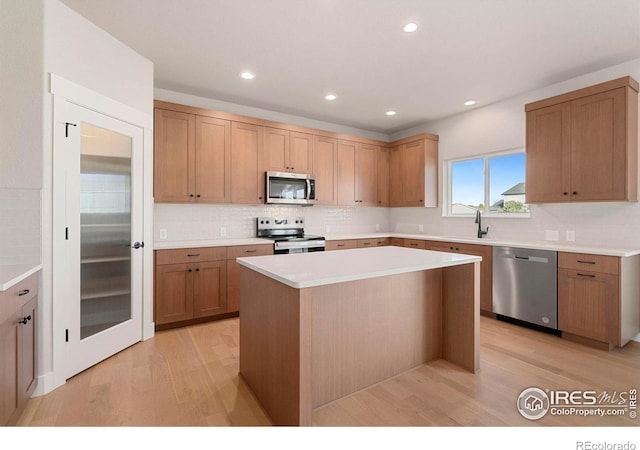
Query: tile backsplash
<point x="20" y="226"/>
<point x="201" y="222"/>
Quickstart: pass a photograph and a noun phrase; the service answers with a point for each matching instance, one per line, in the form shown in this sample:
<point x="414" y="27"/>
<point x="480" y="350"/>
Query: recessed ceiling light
<point x="390" y="113"/>
<point x="410" y="27"/>
<point x="330" y="97"/>
<point x="247" y="75"/>
<point x="469" y="103"/>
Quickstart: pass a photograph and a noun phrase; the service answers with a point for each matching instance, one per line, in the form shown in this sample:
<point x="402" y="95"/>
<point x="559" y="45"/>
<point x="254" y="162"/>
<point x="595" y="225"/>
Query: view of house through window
<point x="491" y="184"/>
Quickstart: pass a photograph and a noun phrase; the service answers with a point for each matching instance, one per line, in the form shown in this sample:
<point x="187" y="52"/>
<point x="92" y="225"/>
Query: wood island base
<point x="303" y="348"/>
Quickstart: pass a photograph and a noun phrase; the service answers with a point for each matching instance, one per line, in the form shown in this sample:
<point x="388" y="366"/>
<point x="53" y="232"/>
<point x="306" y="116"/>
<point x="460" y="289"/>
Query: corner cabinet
<point x="583" y="145"/>
<point x="18" y="348"/>
<point x="413" y="166"/>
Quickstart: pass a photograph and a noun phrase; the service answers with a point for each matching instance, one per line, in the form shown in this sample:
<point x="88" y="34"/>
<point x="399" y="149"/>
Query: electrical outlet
<point x="377" y="227"/>
<point x="571" y="235"/>
<point x="551" y="235"/>
<point x="421" y="228"/>
<point x="163" y="233"/>
<point x="223" y="231"/>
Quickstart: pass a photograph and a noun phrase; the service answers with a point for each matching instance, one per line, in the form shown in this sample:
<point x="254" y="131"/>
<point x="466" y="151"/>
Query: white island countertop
<point x="303" y="270"/>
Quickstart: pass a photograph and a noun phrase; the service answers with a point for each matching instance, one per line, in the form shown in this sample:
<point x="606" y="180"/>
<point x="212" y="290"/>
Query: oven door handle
<point x="300" y="244"/>
<point x="308" y="195"/>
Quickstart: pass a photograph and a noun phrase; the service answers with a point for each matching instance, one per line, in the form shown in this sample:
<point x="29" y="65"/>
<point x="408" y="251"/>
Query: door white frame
<point x="65" y="91"/>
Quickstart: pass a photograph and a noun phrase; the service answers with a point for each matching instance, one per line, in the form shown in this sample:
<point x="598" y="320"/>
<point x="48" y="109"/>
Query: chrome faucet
<point x="481" y="232"/>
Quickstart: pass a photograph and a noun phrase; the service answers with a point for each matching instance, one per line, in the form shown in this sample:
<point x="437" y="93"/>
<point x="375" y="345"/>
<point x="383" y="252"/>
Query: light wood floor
<point x="189" y="376"/>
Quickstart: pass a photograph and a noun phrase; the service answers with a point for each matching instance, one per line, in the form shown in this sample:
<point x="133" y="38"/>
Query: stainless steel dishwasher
<point x="525" y="285"/>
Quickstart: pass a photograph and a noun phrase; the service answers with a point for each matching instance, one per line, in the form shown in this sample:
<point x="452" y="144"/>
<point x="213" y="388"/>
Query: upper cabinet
<point x="325" y="169"/>
<point x="413" y="166"/>
<point x="247" y="176"/>
<point x="191" y="158"/>
<point x="287" y="151"/>
<point x="204" y="156"/>
<point x="583" y="145"/>
<point x="357" y="174"/>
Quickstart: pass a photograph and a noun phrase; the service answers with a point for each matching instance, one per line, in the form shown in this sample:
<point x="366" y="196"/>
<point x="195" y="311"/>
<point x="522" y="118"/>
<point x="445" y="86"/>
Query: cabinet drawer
<point x="240" y="251"/>
<point x="415" y="243"/>
<point x="397" y="242"/>
<point x="187" y="255"/>
<point x="341" y="245"/>
<point x="365" y="243"/>
<point x="591" y="263"/>
<point x="19" y="294"/>
<point x="381" y="242"/>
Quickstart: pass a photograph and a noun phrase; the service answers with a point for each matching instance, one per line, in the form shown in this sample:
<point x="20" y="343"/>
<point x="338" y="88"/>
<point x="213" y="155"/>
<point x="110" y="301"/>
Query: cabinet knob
<point x="259" y="198"/>
<point x="574" y="193"/>
<point x="25" y="320"/>
<point x="198" y="195"/>
<point x="197" y="270"/>
<point x="293" y="168"/>
<point x="565" y="193"/>
<point x="190" y="195"/>
<point x="190" y="270"/>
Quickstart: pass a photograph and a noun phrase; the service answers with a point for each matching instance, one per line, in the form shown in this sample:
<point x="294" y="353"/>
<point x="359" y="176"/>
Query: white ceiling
<point x="300" y="50"/>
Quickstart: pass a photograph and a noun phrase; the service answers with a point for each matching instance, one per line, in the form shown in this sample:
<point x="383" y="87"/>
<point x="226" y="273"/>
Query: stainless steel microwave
<point x="286" y="188"/>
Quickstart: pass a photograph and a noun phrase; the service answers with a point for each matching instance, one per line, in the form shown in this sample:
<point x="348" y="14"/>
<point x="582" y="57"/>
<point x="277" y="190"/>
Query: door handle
<point x="137" y="245"/>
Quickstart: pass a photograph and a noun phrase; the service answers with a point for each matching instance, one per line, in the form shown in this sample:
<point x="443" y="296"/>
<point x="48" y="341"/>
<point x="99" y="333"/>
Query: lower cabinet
<point x="598" y="298"/>
<point x="341" y="245"/>
<point x="233" y="270"/>
<point x="486" y="266"/>
<point x="198" y="283"/>
<point x="190" y="284"/>
<point x="18" y="352"/>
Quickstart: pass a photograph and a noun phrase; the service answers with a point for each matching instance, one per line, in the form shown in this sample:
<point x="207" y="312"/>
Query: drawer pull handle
<point x="251" y="251"/>
<point x="586" y="275"/>
<point x="586" y="262"/>
<point x="366" y="243"/>
<point x="24" y="292"/>
<point x="193" y="254"/>
<point x="25" y="320"/>
<point x="340" y="245"/>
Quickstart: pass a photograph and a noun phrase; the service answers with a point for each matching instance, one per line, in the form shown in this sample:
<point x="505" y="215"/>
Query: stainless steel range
<point x="288" y="235"/>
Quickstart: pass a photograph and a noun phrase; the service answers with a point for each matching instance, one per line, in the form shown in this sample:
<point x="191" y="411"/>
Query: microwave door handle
<point x="308" y="196"/>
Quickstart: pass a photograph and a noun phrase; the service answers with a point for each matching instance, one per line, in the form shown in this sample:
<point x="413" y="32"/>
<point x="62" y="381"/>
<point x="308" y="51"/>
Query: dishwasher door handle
<point x="523" y="258"/>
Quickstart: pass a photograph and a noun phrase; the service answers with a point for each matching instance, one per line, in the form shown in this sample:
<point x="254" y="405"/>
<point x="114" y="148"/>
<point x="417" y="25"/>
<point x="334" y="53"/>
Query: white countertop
<point x="541" y="245"/>
<point x="303" y="270"/>
<point x="12" y="275"/>
<point x="165" y="245"/>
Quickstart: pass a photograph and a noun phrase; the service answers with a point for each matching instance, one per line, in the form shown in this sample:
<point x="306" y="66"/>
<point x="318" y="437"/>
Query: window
<point x="493" y="184"/>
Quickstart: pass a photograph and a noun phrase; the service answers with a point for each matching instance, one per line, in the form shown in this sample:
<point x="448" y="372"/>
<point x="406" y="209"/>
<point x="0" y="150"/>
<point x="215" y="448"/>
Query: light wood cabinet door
<point x="396" y="197"/>
<point x="413" y="173"/>
<point x="325" y="167"/>
<point x="301" y="153"/>
<point x="213" y="160"/>
<point x="588" y="304"/>
<point x="9" y="351"/>
<point x="276" y="150"/>
<point x="174" y="293"/>
<point x="174" y="156"/>
<point x="366" y="175"/>
<point x="247" y="176"/>
<point x="28" y="352"/>
<point x="383" y="176"/>
<point x="598" y="147"/>
<point x="347" y="173"/>
<point x="548" y="160"/>
<point x="209" y="288"/>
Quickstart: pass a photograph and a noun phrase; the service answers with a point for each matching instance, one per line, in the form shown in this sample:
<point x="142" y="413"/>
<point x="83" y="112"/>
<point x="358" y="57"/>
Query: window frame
<point x="448" y="189"/>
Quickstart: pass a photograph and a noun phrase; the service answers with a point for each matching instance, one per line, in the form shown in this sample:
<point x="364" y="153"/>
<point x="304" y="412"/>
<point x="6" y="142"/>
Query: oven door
<point x="290" y="188"/>
<point x="286" y="247"/>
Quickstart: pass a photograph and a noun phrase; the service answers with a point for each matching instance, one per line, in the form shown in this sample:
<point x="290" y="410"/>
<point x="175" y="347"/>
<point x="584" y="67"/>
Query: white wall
<point x="501" y="126"/>
<point x="84" y="54"/>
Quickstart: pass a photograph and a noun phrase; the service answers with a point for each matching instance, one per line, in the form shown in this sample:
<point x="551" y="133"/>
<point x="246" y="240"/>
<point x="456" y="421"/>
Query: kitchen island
<point x="316" y="327"/>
